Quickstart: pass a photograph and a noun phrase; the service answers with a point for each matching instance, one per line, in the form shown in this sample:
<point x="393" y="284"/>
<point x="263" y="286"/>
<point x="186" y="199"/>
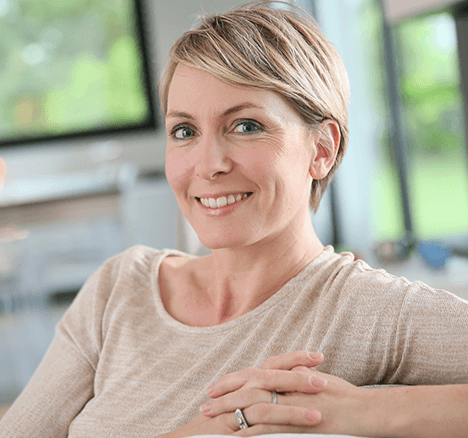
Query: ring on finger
<point x="241" y="419"/>
<point x="274" y="397"/>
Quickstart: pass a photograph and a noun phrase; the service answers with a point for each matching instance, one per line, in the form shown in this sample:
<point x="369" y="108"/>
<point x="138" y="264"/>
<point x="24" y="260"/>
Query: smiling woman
<point x="230" y="141"/>
<point x="271" y="332"/>
<point x="290" y="57"/>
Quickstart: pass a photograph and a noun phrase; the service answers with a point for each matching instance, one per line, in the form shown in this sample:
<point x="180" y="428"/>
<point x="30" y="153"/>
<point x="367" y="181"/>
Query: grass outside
<point x="439" y="198"/>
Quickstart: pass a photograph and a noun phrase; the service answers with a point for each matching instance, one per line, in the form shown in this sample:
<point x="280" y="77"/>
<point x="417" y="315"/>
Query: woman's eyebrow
<point x="229" y="111"/>
<point x="241" y="107"/>
<point x="179" y="114"/>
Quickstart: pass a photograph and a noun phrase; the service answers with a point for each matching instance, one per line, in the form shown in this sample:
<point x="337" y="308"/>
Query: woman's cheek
<point x="177" y="170"/>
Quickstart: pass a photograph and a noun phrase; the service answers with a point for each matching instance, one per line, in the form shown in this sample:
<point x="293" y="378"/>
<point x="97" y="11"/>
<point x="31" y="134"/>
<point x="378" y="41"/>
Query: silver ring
<point x="241" y="419"/>
<point x="274" y="398"/>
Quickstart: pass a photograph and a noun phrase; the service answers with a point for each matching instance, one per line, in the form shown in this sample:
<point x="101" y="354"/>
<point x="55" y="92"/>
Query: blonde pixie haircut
<point x="279" y="50"/>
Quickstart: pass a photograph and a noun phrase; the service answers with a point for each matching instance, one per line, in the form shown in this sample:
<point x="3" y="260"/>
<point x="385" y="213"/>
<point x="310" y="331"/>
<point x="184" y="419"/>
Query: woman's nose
<point x="212" y="158"/>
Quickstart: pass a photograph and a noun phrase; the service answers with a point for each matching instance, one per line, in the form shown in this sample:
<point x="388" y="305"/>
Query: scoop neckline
<point x="282" y="293"/>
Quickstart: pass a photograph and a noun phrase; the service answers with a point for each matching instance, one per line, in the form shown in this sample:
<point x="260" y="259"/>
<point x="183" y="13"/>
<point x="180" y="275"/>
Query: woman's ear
<point x="326" y="148"/>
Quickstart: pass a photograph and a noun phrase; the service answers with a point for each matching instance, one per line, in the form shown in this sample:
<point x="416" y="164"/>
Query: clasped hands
<point x="308" y="401"/>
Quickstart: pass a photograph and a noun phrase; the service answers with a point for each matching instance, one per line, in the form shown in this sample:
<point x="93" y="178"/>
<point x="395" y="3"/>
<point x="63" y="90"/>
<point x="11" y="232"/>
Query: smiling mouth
<point x="223" y="201"/>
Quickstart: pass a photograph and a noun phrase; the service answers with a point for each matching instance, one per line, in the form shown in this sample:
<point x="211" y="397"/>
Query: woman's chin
<point x="213" y="241"/>
<point x="220" y="244"/>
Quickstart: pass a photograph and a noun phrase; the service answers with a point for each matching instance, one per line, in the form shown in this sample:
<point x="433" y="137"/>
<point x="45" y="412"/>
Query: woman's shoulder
<point x="126" y="273"/>
<point x="360" y="282"/>
<point x="127" y="280"/>
<point x="350" y="270"/>
<point x="140" y="253"/>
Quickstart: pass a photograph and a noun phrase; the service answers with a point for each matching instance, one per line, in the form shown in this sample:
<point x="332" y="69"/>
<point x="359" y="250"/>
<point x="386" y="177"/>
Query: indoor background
<point x="82" y="148"/>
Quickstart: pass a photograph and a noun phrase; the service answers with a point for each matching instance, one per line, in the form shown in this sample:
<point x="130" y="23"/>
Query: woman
<point x="255" y="103"/>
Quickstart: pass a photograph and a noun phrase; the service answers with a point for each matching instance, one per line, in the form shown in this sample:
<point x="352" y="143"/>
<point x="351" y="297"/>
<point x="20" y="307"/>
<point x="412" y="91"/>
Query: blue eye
<point x="248" y="127"/>
<point x="182" y="132"/>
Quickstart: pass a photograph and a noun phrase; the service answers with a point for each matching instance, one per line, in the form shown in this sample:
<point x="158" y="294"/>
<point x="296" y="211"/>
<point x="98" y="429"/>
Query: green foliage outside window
<point x="68" y="66"/>
<point x="433" y="128"/>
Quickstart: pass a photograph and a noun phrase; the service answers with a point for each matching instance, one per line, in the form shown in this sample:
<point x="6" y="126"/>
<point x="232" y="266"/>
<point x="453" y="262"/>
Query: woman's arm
<point x="64" y="381"/>
<point x="421" y="411"/>
<point x="56" y="393"/>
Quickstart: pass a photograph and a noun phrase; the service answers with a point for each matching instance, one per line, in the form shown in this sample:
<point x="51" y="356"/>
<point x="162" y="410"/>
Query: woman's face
<point x="238" y="160"/>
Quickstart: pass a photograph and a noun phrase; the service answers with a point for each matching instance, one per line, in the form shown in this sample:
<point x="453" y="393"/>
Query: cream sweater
<point x="121" y="366"/>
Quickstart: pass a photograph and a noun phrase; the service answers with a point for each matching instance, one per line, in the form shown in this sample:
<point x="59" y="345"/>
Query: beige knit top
<point x="121" y="366"/>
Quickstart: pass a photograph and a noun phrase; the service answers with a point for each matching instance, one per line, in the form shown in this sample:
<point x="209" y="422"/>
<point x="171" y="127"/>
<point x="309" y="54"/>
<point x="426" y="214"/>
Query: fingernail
<point x="316" y="356"/>
<point x="313" y="416"/>
<point x="209" y="390"/>
<point x="205" y="409"/>
<point x="318" y="382"/>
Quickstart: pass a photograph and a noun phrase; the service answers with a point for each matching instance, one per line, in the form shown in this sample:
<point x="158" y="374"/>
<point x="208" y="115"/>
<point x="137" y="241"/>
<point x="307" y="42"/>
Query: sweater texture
<point x="121" y="366"/>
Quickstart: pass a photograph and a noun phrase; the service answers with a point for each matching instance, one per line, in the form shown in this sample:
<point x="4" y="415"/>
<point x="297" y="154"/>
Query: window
<point x="71" y="67"/>
<point x="433" y="125"/>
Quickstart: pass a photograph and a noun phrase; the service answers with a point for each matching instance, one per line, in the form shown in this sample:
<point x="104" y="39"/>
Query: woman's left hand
<point x="308" y="401"/>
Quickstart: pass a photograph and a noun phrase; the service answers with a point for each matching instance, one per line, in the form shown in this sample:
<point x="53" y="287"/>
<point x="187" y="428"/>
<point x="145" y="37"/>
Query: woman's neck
<point x="233" y="281"/>
<point x="238" y="280"/>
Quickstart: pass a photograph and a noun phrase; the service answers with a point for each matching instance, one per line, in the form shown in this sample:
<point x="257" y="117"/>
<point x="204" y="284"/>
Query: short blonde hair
<point x="279" y="50"/>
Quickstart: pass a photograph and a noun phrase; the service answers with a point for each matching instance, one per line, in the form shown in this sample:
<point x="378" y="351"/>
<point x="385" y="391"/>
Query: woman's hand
<point x="286" y="362"/>
<point x="309" y="401"/>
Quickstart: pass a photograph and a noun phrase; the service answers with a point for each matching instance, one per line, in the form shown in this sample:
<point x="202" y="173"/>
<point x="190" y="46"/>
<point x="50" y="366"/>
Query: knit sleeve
<point x="63" y="382"/>
<point x="431" y="341"/>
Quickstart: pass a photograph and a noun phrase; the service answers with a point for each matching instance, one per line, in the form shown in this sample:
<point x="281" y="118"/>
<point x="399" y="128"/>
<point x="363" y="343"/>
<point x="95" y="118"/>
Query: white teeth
<point x="222" y="201"/>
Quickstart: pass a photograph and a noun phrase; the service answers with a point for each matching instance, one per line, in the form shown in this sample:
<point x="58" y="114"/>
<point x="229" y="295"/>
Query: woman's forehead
<point x="193" y="90"/>
<point x="190" y="81"/>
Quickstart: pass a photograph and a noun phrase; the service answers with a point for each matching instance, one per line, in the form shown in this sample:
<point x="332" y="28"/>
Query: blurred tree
<point x="431" y="94"/>
<point x="433" y="126"/>
<point x="75" y="62"/>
